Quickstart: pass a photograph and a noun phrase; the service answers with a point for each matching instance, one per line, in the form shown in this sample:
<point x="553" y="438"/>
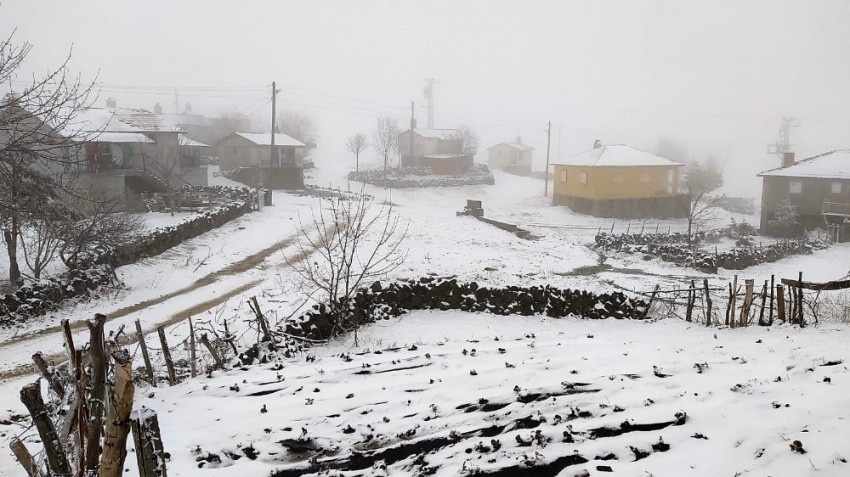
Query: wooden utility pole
<point x="274" y="158"/>
<point x="410" y="137"/>
<point x="548" y="147"/>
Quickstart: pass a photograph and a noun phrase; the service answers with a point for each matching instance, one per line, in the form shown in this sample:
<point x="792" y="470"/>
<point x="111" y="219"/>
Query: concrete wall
<point x="669" y="207"/>
<point x="601" y="182"/>
<point x="504" y="155"/>
<point x="276" y="178"/>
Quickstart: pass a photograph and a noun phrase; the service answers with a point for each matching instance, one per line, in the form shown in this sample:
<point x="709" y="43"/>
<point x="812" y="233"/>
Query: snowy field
<point x="731" y="402"/>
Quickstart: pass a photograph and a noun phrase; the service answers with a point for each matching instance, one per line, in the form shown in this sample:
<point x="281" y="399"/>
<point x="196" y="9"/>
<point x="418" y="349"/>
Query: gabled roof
<point x="186" y="141"/>
<point x="101" y="125"/>
<point x="432" y="133"/>
<point x="830" y="165"/>
<point x="516" y="145"/>
<point x="144" y="120"/>
<point x="618" y="155"/>
<point x="265" y="139"/>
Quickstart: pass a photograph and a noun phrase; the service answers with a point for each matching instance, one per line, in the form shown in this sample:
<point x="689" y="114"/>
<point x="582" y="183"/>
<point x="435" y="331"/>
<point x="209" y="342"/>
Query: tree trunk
<point x="118" y="421"/>
<point x="56" y="458"/>
<point x="11" y="239"/>
<point x="98" y="392"/>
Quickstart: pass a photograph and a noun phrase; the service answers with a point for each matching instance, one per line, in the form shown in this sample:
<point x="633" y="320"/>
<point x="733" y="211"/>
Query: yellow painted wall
<point x="601" y="185"/>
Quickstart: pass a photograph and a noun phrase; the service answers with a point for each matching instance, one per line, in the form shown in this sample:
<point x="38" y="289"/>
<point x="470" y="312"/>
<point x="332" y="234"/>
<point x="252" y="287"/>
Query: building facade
<point x="514" y="157"/>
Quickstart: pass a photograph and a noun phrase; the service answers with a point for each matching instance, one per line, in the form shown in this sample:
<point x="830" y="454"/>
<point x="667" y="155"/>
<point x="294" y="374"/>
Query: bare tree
<point x="351" y="245"/>
<point x="39" y="142"/>
<point x="786" y="220"/>
<point x="355" y="145"/>
<point x="298" y="125"/>
<point x="385" y="140"/>
<point x="103" y="227"/>
<point x="468" y="139"/>
<point x="699" y="183"/>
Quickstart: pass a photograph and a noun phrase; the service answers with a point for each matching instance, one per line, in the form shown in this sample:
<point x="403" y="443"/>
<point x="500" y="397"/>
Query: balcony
<point x="836" y="208"/>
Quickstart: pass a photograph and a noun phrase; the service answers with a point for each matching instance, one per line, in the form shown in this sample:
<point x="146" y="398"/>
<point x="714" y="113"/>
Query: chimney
<point x="787" y="159"/>
<point x="597" y="144"/>
<point x="157" y="109"/>
<point x="519" y="140"/>
<point x="111" y="103"/>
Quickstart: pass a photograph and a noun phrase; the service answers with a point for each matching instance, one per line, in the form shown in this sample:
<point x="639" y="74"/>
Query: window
<point x="644" y="178"/>
<point x="564" y="176"/>
<point x="618" y="178"/>
<point x="583" y="178"/>
<point x="670" y="175"/>
<point x="836" y="187"/>
<point x="795" y="187"/>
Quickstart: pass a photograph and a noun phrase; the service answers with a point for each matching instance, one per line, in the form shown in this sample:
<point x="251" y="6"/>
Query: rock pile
<point x="417" y="177"/>
<point x="382" y="301"/>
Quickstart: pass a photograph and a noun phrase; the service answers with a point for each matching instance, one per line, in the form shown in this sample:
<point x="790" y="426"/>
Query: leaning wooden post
<point x="763" y="303"/>
<point x="150" y="454"/>
<point x="691" y="298"/>
<point x="24" y="457"/>
<point x="733" y="306"/>
<point x="800" y="301"/>
<point x="140" y="337"/>
<point x="118" y="418"/>
<point x="748" y="300"/>
<point x="69" y="342"/>
<point x="97" y="407"/>
<point x="772" y="287"/>
<point x="166" y="353"/>
<point x="49" y="374"/>
<point x="651" y="300"/>
<point x="56" y="458"/>
<point x="192" y="358"/>
<point x="707" y="302"/>
<point x="206" y="342"/>
<point x="780" y="303"/>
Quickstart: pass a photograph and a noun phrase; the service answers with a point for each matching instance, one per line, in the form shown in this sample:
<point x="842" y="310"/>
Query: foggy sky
<point x="717" y="75"/>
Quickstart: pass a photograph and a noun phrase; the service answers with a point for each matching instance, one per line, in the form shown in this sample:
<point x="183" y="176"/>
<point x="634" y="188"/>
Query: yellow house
<point x="620" y="181"/>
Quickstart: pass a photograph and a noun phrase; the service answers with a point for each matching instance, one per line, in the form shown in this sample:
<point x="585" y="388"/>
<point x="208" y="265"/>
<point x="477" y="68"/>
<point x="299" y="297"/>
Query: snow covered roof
<point x="101" y="125"/>
<point x="433" y="133"/>
<point x="445" y="156"/>
<point x="265" y="139"/>
<point x="186" y="141"/>
<point x="516" y="145"/>
<point x="145" y="120"/>
<point x="830" y="165"/>
<point x="618" y="155"/>
<point x="121" y="137"/>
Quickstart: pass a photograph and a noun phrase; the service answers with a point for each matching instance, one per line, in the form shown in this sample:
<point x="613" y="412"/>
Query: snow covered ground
<point x="245" y="258"/>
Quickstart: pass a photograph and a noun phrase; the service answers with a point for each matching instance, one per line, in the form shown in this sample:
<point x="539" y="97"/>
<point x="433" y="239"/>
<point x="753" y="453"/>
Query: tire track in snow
<point x="236" y="268"/>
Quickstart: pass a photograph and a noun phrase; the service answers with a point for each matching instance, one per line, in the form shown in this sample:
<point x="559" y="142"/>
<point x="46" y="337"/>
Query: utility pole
<point x="548" y="146"/>
<point x="783" y="145"/>
<point x="428" y="92"/>
<point x="410" y="136"/>
<point x="274" y="157"/>
<point x="176" y="102"/>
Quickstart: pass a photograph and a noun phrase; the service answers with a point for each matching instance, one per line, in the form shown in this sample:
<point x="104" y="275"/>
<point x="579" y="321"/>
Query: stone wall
<point x="415" y="177"/>
<point x="83" y="280"/>
<point x="382" y="301"/>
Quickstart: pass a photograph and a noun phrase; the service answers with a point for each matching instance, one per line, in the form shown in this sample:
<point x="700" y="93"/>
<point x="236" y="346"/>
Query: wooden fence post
<point x="24" y="457"/>
<point x="691" y="298"/>
<point x="150" y="454"/>
<point x="780" y="303"/>
<point x="651" y="300"/>
<point x="166" y="353"/>
<point x="118" y="418"/>
<point x="145" y="356"/>
<point x="69" y="343"/>
<point x="763" y="303"/>
<point x="206" y="342"/>
<point x="772" y="288"/>
<point x="800" y="301"/>
<point x="707" y="302"/>
<point x="192" y="357"/>
<point x="56" y="458"/>
<point x="748" y="300"/>
<point x="49" y="374"/>
<point x="97" y="406"/>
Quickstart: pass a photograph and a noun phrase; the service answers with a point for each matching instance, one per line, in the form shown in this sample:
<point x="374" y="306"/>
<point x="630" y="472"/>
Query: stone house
<point x="817" y="187"/>
<point x="514" y="157"/>
<point x="434" y="148"/>
<point x="259" y="164"/>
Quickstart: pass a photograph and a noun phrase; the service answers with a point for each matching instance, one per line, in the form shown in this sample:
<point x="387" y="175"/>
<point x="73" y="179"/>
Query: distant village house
<point x="436" y="149"/>
<point x="514" y="157"/>
<point x="281" y="166"/>
<point x="620" y="182"/>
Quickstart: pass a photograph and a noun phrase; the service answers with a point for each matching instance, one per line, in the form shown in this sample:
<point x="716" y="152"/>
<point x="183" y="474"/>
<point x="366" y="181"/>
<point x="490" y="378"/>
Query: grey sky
<point x="718" y="75"/>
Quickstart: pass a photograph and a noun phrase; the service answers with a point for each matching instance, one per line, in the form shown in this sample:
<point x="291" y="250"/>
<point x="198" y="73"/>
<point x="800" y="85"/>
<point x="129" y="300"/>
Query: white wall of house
<point x="503" y="155"/>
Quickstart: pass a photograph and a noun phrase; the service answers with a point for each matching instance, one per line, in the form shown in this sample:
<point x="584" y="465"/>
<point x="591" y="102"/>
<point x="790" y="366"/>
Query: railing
<point x="167" y="176"/>
<point x="836" y="208"/>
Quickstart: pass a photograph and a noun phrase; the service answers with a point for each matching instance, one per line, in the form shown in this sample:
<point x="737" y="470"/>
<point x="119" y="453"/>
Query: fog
<point x="717" y="76"/>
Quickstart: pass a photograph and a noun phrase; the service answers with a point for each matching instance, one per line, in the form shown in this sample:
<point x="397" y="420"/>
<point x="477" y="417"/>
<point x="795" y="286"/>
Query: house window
<point x="836" y="187"/>
<point x="644" y="178"/>
<point x="795" y="187"/>
<point x="583" y="178"/>
<point x="563" y="176"/>
<point x="618" y="178"/>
